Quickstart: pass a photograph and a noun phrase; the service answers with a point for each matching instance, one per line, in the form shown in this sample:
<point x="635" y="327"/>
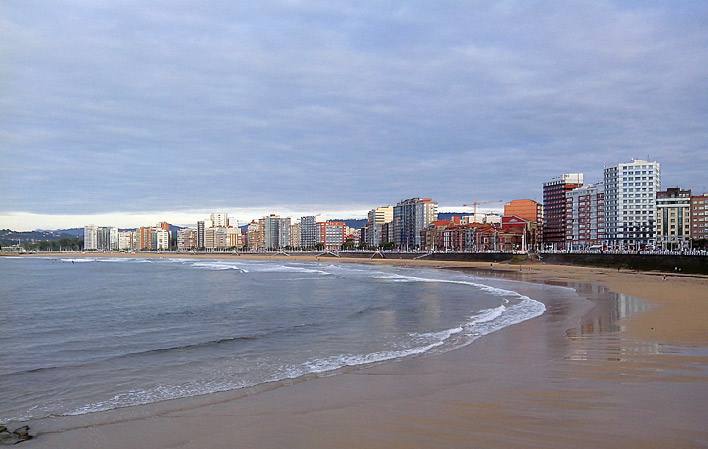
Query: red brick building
<point x="554" y="208"/>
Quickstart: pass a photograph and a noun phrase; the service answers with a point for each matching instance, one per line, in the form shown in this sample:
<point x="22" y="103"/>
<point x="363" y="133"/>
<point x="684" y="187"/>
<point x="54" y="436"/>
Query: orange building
<point x="529" y="210"/>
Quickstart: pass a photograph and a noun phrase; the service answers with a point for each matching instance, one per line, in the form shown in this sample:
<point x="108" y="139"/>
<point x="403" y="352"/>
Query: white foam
<point x="218" y="266"/>
<point x="79" y="260"/>
<point x="487" y="315"/>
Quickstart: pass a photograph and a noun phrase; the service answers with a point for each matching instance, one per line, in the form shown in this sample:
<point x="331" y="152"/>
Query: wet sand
<point x="600" y="368"/>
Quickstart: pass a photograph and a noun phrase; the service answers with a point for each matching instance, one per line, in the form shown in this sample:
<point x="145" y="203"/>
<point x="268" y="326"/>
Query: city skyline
<point x="339" y="108"/>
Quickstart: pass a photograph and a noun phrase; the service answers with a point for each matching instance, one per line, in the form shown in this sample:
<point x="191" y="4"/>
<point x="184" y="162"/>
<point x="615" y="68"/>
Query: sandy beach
<point x="621" y="360"/>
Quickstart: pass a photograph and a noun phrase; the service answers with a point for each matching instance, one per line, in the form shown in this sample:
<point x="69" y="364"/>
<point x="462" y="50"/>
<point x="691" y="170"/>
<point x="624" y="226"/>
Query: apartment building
<point x="410" y="218"/>
<point x="585" y="217"/>
<point x="376" y="219"/>
<point x="630" y="204"/>
<point x="309" y="232"/>
<point x="699" y="217"/>
<point x="187" y="239"/>
<point x="554" y="208"/>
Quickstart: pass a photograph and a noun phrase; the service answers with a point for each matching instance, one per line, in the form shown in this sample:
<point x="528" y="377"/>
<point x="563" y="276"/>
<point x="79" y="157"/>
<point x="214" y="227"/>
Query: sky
<point x="131" y="112"/>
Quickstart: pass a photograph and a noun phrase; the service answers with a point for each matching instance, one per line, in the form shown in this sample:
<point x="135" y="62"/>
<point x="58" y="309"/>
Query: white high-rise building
<point x="160" y="239"/>
<point x="374" y="225"/>
<point x="219" y="220"/>
<point x="126" y="240"/>
<point x="113" y="243"/>
<point x="630" y="204"/>
<point x="90" y="238"/>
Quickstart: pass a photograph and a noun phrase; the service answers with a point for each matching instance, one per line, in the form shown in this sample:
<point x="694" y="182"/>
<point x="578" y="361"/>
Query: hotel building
<point x="585" y="217"/>
<point x="630" y="204"/>
<point x="554" y="208"/>
<point x="673" y="219"/>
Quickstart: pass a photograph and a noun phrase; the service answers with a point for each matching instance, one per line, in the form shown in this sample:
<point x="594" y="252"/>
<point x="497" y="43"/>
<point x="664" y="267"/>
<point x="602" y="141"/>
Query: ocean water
<point x="92" y="334"/>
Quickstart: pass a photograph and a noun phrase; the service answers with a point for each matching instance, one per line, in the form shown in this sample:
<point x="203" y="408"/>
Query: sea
<point x="96" y="333"/>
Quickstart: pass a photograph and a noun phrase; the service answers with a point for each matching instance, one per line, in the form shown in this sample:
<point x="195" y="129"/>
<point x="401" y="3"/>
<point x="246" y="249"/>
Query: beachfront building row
<point x="513" y="233"/>
<point x="104" y="238"/>
<point x="627" y="210"/>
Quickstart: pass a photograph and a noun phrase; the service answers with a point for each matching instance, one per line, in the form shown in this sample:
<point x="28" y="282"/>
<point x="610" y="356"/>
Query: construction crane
<point x="474" y="204"/>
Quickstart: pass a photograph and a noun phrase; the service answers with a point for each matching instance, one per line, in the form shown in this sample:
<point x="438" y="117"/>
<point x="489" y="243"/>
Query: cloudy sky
<point x="168" y="109"/>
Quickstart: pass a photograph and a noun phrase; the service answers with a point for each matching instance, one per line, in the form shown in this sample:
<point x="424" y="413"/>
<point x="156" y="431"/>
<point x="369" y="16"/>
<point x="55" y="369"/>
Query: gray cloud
<point x="138" y="106"/>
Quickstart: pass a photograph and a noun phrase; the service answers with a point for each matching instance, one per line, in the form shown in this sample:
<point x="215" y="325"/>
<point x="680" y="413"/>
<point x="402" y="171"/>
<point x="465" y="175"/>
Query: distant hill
<point x="10" y="237"/>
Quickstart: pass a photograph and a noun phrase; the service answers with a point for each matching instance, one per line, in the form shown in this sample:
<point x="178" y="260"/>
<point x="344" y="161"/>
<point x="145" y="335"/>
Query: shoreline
<point x="668" y="323"/>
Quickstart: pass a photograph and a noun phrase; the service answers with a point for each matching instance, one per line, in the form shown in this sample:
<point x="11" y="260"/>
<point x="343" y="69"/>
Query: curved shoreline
<point x="480" y="324"/>
<point x="553" y="356"/>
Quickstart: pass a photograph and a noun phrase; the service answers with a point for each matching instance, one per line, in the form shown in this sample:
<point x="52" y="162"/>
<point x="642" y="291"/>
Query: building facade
<point x="585" y="217"/>
<point x="216" y="238"/>
<point x="254" y="236"/>
<point x="554" y="209"/>
<point x="376" y="219"/>
<point x="126" y="240"/>
<point x="187" y="239"/>
<point x="276" y="232"/>
<point x="333" y="234"/>
<point x="309" y="232"/>
<point x="673" y="219"/>
<point x="160" y="239"/>
<point x="90" y="238"/>
<point x="295" y="236"/>
<point x="699" y="218"/>
<point x="531" y="211"/>
<point x="219" y="220"/>
<point x="201" y="229"/>
<point x="410" y="218"/>
<point x="630" y="204"/>
<point x="233" y="235"/>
